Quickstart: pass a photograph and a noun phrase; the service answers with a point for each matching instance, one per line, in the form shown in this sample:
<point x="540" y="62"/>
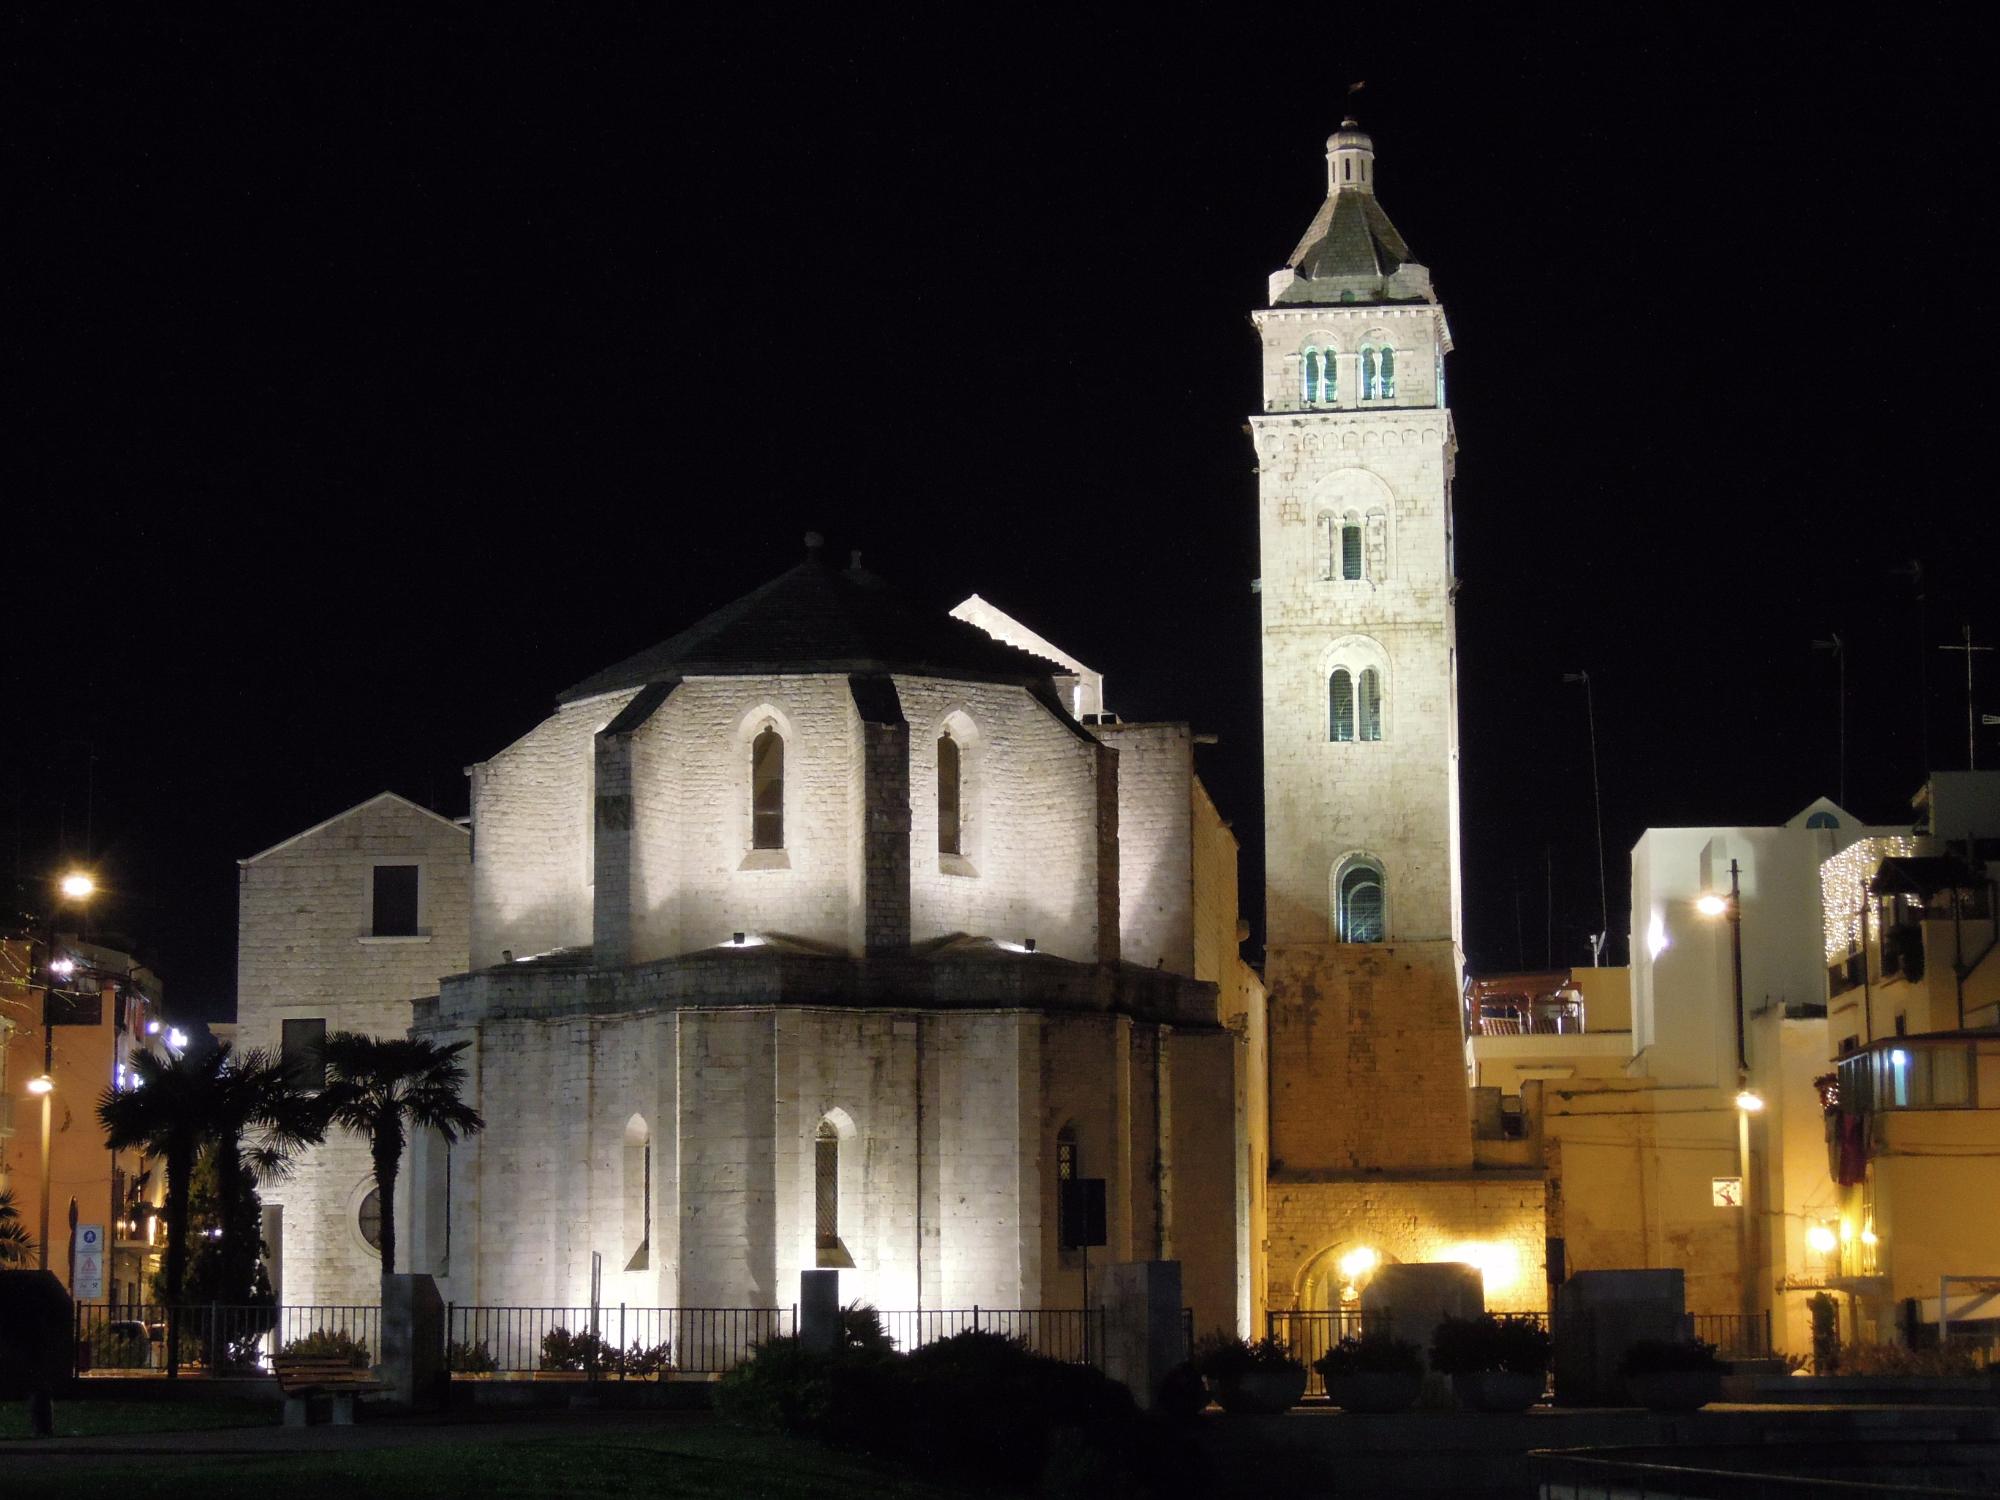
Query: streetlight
<point x="1748" y="1101"/>
<point x="1714" y="904"/>
<point x="76" y="886"/>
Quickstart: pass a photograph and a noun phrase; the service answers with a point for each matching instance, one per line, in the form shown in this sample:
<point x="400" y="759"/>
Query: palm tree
<point x="262" y="1119"/>
<point x="380" y="1087"/>
<point x="178" y="1105"/>
<point x="17" y="1246"/>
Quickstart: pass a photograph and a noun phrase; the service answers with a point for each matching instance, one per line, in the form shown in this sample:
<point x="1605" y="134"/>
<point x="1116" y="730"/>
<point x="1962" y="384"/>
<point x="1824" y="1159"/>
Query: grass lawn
<point x="686" y="1460"/>
<point x="96" y="1417"/>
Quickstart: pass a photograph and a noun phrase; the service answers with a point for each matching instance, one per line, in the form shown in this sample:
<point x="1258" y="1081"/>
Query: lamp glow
<point x="1358" y="1263"/>
<point x="176" y="1038"/>
<point x="64" y="966"/>
<point x="1868" y="1237"/>
<point x="78" y="886"/>
<point x="1712" y="905"/>
<point x="1656" y="936"/>
<point x="42" y="1085"/>
<point x="1749" y="1100"/>
<point x="1498" y="1265"/>
<point x="1899" y="1058"/>
<point x="1821" y="1240"/>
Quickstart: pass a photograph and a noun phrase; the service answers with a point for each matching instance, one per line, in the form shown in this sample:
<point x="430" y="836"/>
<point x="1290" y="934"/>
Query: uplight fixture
<point x="1712" y="905"/>
<point x="42" y="1085"/>
<point x="1749" y="1100"/>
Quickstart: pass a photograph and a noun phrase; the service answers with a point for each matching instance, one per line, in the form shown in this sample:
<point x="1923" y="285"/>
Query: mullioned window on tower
<point x="1378" y="373"/>
<point x="1319" y="378"/>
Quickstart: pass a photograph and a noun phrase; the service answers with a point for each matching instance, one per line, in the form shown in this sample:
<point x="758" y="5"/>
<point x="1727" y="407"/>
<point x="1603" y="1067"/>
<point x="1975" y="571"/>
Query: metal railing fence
<point x="616" y="1342"/>
<point x="1735" y="1335"/>
<point x="220" y="1339"/>
<point x="1074" y="1335"/>
<point x="1308" y="1335"/>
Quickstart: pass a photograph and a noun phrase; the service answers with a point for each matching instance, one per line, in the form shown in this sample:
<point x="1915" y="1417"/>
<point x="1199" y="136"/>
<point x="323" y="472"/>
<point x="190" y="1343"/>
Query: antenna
<point x="1971" y="741"/>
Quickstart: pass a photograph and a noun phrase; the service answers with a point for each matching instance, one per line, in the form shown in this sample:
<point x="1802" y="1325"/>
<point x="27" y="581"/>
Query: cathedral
<point x="838" y="931"/>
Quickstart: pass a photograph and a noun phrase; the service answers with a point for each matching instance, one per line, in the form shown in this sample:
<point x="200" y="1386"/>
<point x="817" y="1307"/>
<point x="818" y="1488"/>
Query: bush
<point x="1371" y="1354"/>
<point x="1894" y="1359"/>
<point x="1669" y="1357"/>
<point x="1825" y="1334"/>
<point x="1474" y="1346"/>
<point x="324" y="1343"/>
<point x="849" y="1398"/>
<point x="119" y="1346"/>
<point x="470" y="1359"/>
<point x="1220" y="1356"/>
<point x="1183" y="1394"/>
<point x="595" y="1355"/>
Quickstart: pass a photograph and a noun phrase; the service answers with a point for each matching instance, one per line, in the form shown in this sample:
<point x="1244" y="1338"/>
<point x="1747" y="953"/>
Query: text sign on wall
<point x="89" y="1263"/>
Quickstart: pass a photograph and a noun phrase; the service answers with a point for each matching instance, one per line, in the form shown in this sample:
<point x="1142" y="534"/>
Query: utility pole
<point x="1597" y="803"/>
<point x="1971" y="717"/>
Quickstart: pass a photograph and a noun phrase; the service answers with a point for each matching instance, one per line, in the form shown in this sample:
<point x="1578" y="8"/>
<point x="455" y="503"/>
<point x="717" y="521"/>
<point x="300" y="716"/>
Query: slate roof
<point x="821" y="618"/>
<point x="1350" y="236"/>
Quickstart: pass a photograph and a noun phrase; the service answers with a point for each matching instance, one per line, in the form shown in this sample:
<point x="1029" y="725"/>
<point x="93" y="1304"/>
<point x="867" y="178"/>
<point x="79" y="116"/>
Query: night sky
<point x="376" y="378"/>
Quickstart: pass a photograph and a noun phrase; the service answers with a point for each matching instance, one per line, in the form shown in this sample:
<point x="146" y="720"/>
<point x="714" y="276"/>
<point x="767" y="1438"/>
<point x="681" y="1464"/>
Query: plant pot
<point x="1374" y="1390"/>
<point x="1675" y="1390"/>
<point x="1261" y="1392"/>
<point x="1498" y="1390"/>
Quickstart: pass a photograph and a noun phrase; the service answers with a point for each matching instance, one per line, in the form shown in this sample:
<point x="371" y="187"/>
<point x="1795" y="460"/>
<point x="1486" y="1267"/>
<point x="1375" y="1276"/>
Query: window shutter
<point x="1350" y="550"/>
<point x="1371" y="704"/>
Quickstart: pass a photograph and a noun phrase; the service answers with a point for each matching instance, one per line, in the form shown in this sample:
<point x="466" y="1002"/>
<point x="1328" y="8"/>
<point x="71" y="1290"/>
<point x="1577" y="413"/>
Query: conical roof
<point x="816" y="618"/>
<point x="1351" y="252"/>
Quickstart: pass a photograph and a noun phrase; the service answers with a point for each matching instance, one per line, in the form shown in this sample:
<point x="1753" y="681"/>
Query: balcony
<point x="1523" y="1005"/>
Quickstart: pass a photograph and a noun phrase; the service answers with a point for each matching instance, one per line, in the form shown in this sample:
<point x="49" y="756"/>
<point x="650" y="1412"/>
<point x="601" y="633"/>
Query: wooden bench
<point x="301" y="1378"/>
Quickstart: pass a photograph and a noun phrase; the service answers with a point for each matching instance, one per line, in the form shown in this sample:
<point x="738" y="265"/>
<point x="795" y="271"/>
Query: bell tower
<point x="1354" y="461"/>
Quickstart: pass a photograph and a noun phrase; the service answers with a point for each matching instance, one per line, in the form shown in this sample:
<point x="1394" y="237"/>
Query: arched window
<point x="1370" y="717"/>
<point x="1317" y="377"/>
<point x="1309" y="365"/>
<point x="1069" y="1168"/>
<point x="767" y="791"/>
<point x="948" y="790"/>
<point x="1362" y="904"/>
<point x="1340" y="705"/>
<point x="1350" y="549"/>
<point x="1387" y="385"/>
<point x="639" y="1192"/>
<point x="1368" y="374"/>
<point x="1822" y="819"/>
<point x="826" y="1186"/>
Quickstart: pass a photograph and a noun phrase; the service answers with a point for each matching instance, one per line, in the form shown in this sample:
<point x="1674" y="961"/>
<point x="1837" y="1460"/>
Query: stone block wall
<point x="1367" y="1058"/>
<point x="1156" y="857"/>
<point x="305" y="950"/>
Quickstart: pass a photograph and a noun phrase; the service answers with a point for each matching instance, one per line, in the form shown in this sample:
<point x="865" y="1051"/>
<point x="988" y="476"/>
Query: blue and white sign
<point x="89" y="1263"/>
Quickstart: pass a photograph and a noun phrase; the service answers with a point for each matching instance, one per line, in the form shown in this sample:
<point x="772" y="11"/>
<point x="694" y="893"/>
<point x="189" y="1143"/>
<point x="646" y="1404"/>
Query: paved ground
<point x="21" y="1461"/>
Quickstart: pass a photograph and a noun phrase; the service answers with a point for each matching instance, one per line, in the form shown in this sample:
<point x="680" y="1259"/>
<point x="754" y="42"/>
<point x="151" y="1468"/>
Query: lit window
<point x="948" y="795"/>
<point x="1361" y="904"/>
<point x="1387" y="383"/>
<point x="767" y="791"/>
<point x="1317" y="376"/>
<point x="1371" y="704"/>
<point x="1069" y="1168"/>
<point x="1368" y="374"/>
<point x="1340" y="705"/>
<point x="1378" y="373"/>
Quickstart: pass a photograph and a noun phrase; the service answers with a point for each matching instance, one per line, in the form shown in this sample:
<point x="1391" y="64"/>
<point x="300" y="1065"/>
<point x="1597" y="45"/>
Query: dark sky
<point x="377" y="376"/>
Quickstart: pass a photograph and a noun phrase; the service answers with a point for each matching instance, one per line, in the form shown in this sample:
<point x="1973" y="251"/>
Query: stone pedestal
<point x="1417" y="1298"/>
<point x="413" y="1334"/>
<point x="1601" y="1314"/>
<point x="1145" y="1333"/>
<point x="819" y="1310"/>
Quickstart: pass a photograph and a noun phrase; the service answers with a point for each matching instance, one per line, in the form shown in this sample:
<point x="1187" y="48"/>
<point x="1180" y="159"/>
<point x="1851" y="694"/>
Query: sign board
<point x="1726" y="1192"/>
<point x="90" y="1253"/>
<point x="1081" y="1221"/>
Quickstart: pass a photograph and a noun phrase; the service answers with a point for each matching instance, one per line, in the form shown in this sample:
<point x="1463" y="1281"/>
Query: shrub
<point x="1183" y="1394"/>
<point x="1221" y="1356"/>
<point x="470" y="1359"/>
<point x="849" y="1398"/>
<point x="1825" y="1334"/>
<point x="1371" y="1354"/>
<point x="586" y="1351"/>
<point x="646" y="1363"/>
<point x="324" y="1343"/>
<point x="119" y="1346"/>
<point x="1474" y="1346"/>
<point x="861" y="1328"/>
<point x="1894" y="1359"/>
<point x="1669" y="1357"/>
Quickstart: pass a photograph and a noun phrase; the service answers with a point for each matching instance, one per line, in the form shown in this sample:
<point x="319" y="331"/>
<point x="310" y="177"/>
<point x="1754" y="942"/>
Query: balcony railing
<point x="1521" y="1015"/>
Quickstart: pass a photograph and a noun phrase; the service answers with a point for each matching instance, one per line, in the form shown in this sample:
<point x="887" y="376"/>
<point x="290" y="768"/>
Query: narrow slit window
<point x="1068" y="1169"/>
<point x="1387" y="365"/>
<point x="949" y="825"/>
<point x="1367" y="374"/>
<point x="1350" y="550"/>
<point x="1340" y="705"/>
<point x="1371" y="704"/>
<point x="826" y="1186"/>
<point x="1310" y="364"/>
<point x="767" y="791"/>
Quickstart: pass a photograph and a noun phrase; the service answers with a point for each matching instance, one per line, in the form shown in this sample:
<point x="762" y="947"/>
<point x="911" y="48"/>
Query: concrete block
<point x="819" y="1310"/>
<point x="1144" y="1335"/>
<point x="1601" y="1314"/>
<point x="412" y="1354"/>
<point x="1417" y="1298"/>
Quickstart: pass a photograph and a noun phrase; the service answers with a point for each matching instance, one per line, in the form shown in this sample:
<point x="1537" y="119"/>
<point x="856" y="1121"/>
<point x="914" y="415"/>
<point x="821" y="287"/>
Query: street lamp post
<point x="1748" y="1101"/>
<point x="75" y="886"/>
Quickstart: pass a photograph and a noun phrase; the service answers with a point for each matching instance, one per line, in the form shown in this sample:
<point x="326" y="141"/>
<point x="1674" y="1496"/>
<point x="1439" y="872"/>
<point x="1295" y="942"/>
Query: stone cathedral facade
<point x="836" y="931"/>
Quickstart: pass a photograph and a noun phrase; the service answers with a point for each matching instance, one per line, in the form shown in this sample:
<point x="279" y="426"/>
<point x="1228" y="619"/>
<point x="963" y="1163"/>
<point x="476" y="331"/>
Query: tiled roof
<point x="821" y="618"/>
<point x="1350" y="236"/>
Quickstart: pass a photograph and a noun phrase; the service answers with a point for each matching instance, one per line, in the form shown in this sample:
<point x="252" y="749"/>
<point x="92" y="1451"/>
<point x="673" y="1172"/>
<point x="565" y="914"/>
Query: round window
<point x="369" y="1218"/>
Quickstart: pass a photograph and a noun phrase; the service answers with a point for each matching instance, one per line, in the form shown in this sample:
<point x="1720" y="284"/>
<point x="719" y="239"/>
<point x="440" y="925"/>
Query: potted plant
<point x="1372" y="1373"/>
<point x="1250" y="1379"/>
<point x="1672" y="1375"/>
<point x="1495" y="1364"/>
